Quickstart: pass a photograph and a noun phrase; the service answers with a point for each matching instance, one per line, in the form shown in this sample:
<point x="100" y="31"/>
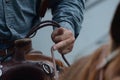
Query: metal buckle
<point x="47" y="68"/>
<point x="6" y="51"/>
<point x="1" y="66"/>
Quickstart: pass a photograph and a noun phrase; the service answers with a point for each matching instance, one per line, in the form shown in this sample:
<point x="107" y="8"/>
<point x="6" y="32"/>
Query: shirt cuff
<point x="67" y="26"/>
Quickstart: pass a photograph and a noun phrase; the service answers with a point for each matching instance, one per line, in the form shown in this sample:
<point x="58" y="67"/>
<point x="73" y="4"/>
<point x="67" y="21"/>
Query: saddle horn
<point x="23" y="67"/>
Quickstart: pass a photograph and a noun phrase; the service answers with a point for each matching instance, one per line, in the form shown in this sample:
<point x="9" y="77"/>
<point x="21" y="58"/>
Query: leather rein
<point x="42" y="24"/>
<point x="32" y="33"/>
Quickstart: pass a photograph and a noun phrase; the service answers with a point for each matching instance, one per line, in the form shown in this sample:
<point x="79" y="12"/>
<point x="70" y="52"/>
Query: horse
<point x="29" y="64"/>
<point x="103" y="63"/>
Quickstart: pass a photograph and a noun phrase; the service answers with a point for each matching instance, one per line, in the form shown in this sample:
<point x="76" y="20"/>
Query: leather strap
<point x="6" y="51"/>
<point x="43" y="7"/>
<point x="6" y="42"/>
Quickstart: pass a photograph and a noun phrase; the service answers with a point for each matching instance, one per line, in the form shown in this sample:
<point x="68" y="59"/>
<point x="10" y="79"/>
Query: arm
<point x="69" y="14"/>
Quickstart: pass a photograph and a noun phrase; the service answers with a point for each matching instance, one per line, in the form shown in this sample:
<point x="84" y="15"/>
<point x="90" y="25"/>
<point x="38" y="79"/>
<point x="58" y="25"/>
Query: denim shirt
<point x="18" y="16"/>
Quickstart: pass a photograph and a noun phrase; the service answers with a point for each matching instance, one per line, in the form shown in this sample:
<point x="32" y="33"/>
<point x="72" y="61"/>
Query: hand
<point x="64" y="40"/>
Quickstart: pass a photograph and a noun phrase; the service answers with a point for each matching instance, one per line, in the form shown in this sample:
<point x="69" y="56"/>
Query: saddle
<point x="29" y="64"/>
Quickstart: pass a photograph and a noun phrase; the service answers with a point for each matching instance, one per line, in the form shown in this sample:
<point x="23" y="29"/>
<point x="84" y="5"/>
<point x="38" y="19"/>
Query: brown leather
<point x="28" y="61"/>
<point x="2" y="52"/>
<point x="25" y="58"/>
<point x="7" y="51"/>
<point x="43" y="7"/>
<point x="6" y="41"/>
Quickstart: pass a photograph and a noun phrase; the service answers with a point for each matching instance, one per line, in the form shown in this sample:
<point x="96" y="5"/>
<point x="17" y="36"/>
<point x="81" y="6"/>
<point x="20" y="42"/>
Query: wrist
<point x="66" y="25"/>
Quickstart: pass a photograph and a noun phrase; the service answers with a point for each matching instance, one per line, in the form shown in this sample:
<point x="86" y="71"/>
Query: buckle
<point x="6" y="51"/>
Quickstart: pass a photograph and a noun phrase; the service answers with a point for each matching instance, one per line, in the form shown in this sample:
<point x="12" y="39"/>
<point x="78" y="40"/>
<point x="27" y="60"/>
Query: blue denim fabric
<point x="69" y="13"/>
<point x="18" y="16"/>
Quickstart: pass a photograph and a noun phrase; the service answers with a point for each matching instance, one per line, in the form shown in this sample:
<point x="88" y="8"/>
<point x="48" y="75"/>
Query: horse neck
<point x="113" y="46"/>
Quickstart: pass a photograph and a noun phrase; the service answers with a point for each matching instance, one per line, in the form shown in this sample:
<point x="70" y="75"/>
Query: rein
<point x="54" y="64"/>
<point x="45" y="68"/>
<point x="42" y="24"/>
<point x="33" y="32"/>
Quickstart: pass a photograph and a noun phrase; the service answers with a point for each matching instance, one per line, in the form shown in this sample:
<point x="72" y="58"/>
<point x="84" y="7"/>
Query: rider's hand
<point x="64" y="40"/>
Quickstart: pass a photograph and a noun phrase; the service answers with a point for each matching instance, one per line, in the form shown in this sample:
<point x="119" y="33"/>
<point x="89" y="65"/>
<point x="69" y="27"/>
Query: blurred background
<point x="94" y="32"/>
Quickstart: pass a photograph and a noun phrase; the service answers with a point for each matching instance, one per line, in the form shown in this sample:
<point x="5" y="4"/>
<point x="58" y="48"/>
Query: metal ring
<point x="47" y="69"/>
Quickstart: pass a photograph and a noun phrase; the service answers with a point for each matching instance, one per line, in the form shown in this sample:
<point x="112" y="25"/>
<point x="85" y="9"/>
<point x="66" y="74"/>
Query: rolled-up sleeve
<point x="69" y="14"/>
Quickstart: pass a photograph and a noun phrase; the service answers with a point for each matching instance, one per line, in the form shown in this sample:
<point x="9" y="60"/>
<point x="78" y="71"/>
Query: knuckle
<point x="73" y="39"/>
<point x="70" y="32"/>
<point x="61" y="38"/>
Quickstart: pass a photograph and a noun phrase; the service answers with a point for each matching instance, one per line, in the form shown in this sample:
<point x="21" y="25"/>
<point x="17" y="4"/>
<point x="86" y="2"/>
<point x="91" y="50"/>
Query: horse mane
<point x="115" y="29"/>
<point x="86" y="68"/>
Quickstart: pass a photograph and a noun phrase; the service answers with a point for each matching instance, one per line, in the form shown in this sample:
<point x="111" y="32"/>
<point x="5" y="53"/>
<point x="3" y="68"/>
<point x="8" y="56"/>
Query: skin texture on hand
<point x="63" y="39"/>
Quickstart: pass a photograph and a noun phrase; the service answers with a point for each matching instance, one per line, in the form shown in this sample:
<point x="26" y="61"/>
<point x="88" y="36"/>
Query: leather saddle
<point x="29" y="64"/>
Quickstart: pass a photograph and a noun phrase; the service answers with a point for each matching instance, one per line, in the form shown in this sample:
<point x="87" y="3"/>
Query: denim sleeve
<point x="69" y="14"/>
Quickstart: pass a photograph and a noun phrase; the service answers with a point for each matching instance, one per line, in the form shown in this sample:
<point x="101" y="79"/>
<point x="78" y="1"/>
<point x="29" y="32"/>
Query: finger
<point x="63" y="43"/>
<point x="56" y="32"/>
<point x="66" y="49"/>
<point x="61" y="38"/>
<point x="66" y="34"/>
